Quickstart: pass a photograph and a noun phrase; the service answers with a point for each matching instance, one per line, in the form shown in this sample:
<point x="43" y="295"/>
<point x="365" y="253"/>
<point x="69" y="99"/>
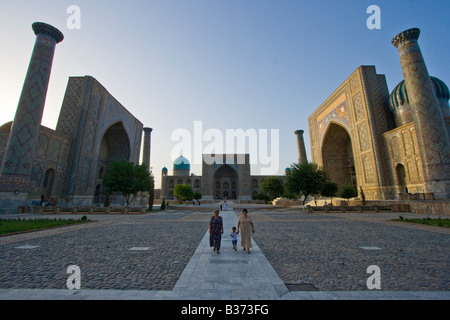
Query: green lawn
<point x="428" y="221"/>
<point x="19" y="225"/>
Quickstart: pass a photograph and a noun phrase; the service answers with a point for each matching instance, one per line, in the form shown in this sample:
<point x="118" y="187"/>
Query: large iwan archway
<point x="337" y="155"/>
<point x="226" y="184"/>
<point x="115" y="146"/>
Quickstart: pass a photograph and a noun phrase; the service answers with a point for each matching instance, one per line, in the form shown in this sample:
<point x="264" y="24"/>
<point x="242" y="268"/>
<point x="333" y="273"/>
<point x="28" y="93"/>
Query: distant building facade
<point x="228" y="177"/>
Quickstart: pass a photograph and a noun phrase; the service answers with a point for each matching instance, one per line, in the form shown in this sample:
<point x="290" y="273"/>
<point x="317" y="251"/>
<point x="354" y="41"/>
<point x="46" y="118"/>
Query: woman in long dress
<point x="245" y="224"/>
<point x="215" y="231"/>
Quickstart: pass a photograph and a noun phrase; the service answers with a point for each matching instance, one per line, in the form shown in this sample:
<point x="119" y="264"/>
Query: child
<point x="233" y="235"/>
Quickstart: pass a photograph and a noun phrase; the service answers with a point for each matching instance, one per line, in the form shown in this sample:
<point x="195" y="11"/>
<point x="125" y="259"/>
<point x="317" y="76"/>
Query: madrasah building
<point x="228" y="177"/>
<point x="392" y="146"/>
<point x="67" y="164"/>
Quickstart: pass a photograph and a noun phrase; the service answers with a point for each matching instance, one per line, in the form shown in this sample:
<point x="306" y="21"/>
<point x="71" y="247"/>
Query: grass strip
<point x="428" y="221"/>
<point x="8" y="226"/>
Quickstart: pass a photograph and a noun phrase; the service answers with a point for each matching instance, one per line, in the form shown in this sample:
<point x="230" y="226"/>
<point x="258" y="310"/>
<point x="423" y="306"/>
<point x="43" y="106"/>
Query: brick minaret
<point x="431" y="132"/>
<point x="18" y="159"/>
<point x="301" y="146"/>
<point x="147" y="144"/>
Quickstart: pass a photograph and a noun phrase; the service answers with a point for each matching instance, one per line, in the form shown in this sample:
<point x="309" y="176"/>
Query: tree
<point x="183" y="192"/>
<point x="126" y="178"/>
<point x="163" y="204"/>
<point x="273" y="186"/>
<point x="305" y="179"/>
<point x="329" y="189"/>
<point x="196" y="195"/>
<point x="151" y="193"/>
<point x="348" y="191"/>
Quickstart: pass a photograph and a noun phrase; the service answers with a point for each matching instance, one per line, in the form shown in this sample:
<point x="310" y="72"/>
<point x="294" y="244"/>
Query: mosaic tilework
<point x="431" y="131"/>
<point x="338" y="114"/>
<point x="22" y="142"/>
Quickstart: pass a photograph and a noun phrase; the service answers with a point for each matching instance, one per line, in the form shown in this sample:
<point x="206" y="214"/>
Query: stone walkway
<point x="206" y="275"/>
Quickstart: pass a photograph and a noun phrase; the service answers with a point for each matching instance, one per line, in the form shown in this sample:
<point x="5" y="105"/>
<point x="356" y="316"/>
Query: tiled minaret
<point x="431" y="132"/>
<point x="147" y="145"/>
<point x="19" y="153"/>
<point x="301" y="147"/>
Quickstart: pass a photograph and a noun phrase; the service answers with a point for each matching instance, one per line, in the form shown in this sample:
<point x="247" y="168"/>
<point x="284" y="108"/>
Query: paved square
<point x="296" y="255"/>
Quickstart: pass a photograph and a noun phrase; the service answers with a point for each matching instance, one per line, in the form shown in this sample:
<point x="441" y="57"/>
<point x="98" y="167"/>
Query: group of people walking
<point x="245" y="228"/>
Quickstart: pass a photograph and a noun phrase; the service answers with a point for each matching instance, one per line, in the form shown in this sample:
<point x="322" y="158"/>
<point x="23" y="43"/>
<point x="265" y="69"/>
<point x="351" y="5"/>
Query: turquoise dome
<point x="164" y="169"/>
<point x="399" y="95"/>
<point x="181" y="163"/>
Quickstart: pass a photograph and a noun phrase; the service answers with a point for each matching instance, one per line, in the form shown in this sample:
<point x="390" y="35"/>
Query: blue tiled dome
<point x="181" y="163"/>
<point x="399" y="95"/>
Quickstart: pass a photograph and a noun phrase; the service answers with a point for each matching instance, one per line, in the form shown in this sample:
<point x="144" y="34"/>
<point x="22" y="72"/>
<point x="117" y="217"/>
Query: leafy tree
<point x="126" y="178"/>
<point x="348" y="191"/>
<point x="305" y="179"/>
<point x="196" y="195"/>
<point x="260" y="196"/>
<point x="106" y="203"/>
<point x="183" y="192"/>
<point x="329" y="189"/>
<point x="273" y="186"/>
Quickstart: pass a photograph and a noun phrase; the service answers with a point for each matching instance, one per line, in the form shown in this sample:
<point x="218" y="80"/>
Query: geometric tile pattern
<point x="21" y="146"/>
<point x="432" y="135"/>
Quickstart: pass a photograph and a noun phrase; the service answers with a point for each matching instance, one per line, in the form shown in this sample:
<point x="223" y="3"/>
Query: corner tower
<point x="431" y="131"/>
<point x="20" y="150"/>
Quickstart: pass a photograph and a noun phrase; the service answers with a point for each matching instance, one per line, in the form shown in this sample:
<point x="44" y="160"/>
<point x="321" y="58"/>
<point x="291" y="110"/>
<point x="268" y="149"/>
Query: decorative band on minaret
<point x="147" y="145"/>
<point x="431" y="132"/>
<point x="301" y="147"/>
<point x="19" y="153"/>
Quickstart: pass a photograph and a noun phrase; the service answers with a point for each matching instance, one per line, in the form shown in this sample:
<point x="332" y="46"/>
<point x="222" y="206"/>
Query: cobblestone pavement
<point x="331" y="252"/>
<point x="315" y="251"/>
<point x="164" y="243"/>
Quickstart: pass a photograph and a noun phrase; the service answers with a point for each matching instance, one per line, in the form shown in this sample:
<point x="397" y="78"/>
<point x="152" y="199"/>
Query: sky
<point x="258" y="65"/>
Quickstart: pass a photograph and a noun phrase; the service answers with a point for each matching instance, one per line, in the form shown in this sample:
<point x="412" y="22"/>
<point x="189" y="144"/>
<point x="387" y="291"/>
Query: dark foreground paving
<point x="332" y="252"/>
<point x="163" y="244"/>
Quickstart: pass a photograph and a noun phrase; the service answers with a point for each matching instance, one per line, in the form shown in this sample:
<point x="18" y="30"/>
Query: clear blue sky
<point x="249" y="64"/>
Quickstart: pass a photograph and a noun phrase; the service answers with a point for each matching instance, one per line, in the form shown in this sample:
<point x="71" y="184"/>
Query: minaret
<point x="20" y="149"/>
<point x="301" y="147"/>
<point x="147" y="144"/>
<point x="431" y="132"/>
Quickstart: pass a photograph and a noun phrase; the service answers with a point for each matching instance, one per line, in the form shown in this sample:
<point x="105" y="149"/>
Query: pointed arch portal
<point x="337" y="156"/>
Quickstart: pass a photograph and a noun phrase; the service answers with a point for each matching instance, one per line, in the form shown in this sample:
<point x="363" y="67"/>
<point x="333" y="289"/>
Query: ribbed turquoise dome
<point x="399" y="95"/>
<point x="181" y="163"/>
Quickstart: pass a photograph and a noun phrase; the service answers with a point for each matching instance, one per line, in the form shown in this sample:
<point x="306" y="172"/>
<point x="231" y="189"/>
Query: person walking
<point x="245" y="224"/>
<point x="233" y="236"/>
<point x="215" y="231"/>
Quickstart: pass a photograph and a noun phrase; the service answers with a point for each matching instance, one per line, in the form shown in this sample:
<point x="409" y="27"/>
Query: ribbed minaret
<point x="301" y="146"/>
<point x="431" y="132"/>
<point x="147" y="145"/>
<point x="20" y="149"/>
